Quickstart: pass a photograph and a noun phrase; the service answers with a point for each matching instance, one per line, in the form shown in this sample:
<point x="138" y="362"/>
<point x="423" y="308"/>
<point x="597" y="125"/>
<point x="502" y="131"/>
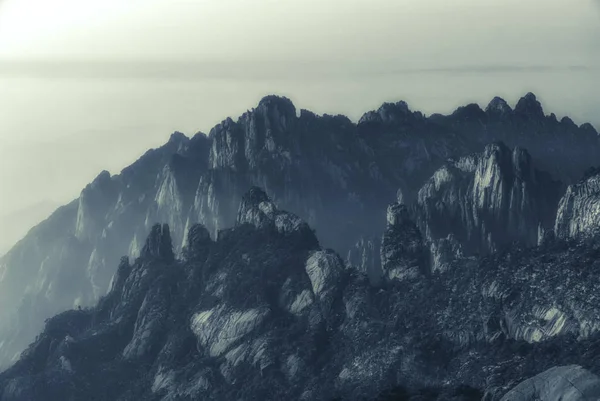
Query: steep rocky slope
<point x="579" y="208"/>
<point x="263" y="312"/>
<point x="338" y="176"/>
<point x="488" y="200"/>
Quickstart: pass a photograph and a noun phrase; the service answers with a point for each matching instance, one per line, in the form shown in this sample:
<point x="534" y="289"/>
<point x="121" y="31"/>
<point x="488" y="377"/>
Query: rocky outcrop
<point x="498" y="108"/>
<point x="486" y="201"/>
<point x="579" y="208"/>
<point x="159" y="244"/>
<point x="262" y="314"/>
<point x="257" y="209"/>
<point x="403" y="252"/>
<point x="444" y="251"/>
<point x="198" y="243"/>
<point x="565" y="383"/>
<point x="529" y="107"/>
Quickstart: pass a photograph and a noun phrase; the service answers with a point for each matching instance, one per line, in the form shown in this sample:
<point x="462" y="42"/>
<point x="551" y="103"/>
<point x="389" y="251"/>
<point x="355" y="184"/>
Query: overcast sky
<point x="415" y="31"/>
<point x="90" y="85"/>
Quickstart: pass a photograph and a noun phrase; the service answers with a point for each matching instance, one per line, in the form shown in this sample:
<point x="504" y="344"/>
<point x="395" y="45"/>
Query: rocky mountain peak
<point x="101" y="180"/>
<point x="397" y="214"/>
<point x="178" y="137"/>
<point x="250" y="208"/>
<point x="470" y="112"/>
<point x="259" y="135"/>
<point x="275" y="113"/>
<point x="528" y="106"/>
<point x="158" y="244"/>
<point x="498" y="107"/>
<point x="389" y="113"/>
<point x="589" y="128"/>
<point x="198" y="242"/>
<point x="487" y="200"/>
<point x="178" y="141"/>
<point x="400" y="196"/>
<point x="277" y="105"/>
<point x="257" y="209"/>
<point x="403" y="252"/>
<point x="579" y="209"/>
<point x="568" y="122"/>
<point x="254" y="197"/>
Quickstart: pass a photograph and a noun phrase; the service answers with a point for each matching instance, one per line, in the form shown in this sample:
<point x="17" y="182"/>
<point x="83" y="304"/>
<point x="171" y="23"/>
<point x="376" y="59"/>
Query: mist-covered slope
<point x="336" y="175"/>
<point x="264" y="312"/>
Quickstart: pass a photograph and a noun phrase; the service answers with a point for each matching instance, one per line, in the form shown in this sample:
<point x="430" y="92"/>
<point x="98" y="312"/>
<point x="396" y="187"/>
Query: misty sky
<point x="90" y="85"/>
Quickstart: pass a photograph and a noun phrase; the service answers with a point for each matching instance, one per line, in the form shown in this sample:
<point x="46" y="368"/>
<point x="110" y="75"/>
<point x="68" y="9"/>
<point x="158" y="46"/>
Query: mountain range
<point x="287" y="254"/>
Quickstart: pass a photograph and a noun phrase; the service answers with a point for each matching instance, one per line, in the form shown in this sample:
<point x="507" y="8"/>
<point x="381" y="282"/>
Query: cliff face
<point x="403" y="252"/>
<point x="579" y="209"/>
<point x="337" y="176"/>
<point x="263" y="312"/>
<point x="488" y="200"/>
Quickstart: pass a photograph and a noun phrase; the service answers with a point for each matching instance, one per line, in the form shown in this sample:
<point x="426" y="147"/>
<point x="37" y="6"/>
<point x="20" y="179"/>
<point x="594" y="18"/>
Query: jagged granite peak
<point x="561" y="383"/>
<point x="390" y="113"/>
<point x="444" y="252"/>
<point x="178" y="137"/>
<point x="101" y="179"/>
<point x="198" y="242"/>
<point x="158" y="244"/>
<point x="257" y="209"/>
<point x="568" y="122"/>
<point x="498" y="107"/>
<point x="254" y="197"/>
<point x="400" y="197"/>
<point x="589" y="129"/>
<point x="470" y="112"/>
<point x="397" y="215"/>
<point x="579" y="208"/>
<point x="279" y="106"/>
<point x="487" y="200"/>
<point x="403" y="253"/>
<point x="529" y="106"/>
<point x="257" y="136"/>
<point x="179" y="140"/>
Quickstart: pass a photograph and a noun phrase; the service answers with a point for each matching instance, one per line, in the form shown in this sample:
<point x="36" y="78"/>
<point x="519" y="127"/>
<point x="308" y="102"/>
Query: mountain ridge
<point x="337" y="175"/>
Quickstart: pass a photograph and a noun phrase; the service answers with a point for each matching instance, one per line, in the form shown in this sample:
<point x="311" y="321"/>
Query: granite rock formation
<point x="264" y="312"/>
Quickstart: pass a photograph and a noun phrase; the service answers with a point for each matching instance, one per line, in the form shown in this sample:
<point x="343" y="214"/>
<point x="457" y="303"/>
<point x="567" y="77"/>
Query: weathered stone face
<point x="565" y="383"/>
